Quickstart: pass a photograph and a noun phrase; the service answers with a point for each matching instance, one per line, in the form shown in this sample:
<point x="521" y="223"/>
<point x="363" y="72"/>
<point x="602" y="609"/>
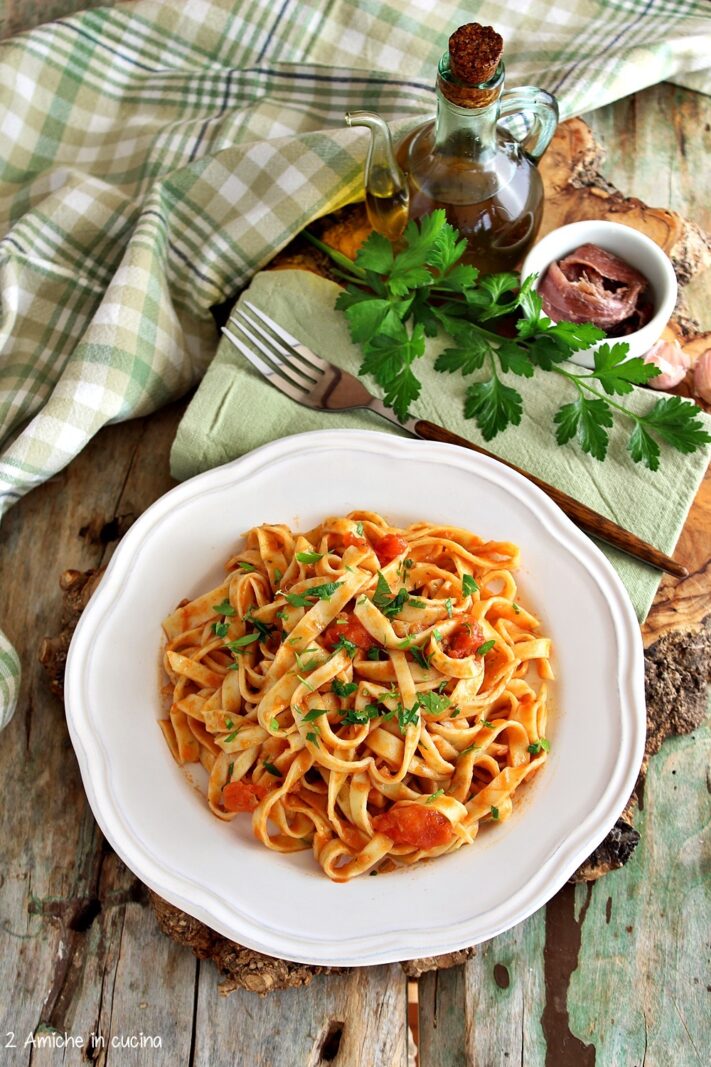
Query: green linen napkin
<point x="235" y="410"/>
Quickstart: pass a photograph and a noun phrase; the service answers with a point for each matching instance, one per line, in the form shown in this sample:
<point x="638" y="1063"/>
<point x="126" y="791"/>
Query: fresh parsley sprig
<point x="393" y="300"/>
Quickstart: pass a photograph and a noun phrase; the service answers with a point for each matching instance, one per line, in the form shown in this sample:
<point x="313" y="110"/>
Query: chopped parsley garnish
<point x="231" y="737"/>
<point x="310" y="664"/>
<point x="469" y="586"/>
<point x="436" y="634"/>
<point x="355" y="717"/>
<point x="225" y="608"/>
<point x="494" y="813"/>
<point x="312" y="736"/>
<point x="454" y="712"/>
<point x="229" y="770"/>
<point x="229" y="724"/>
<point x="309" y="557"/>
<point x="448" y="606"/>
<point x="487" y="724"/>
<point x="486" y="647"/>
<point x="316" y="592"/>
<point x="278" y="574"/>
<point x="346" y="645"/>
<point x="539" y="746"/>
<point x="414" y="602"/>
<point x="434" y="796"/>
<point x="272" y="769"/>
<point x="305" y="682"/>
<point x="407" y="716"/>
<point x="247" y="567"/>
<point x="384" y="600"/>
<point x="407" y="642"/>
<point x="517" y="610"/>
<point x="433" y="702"/>
<point x="282" y="614"/>
<point x="375" y="653"/>
<point x="240" y="643"/>
<point x="314" y="714"/>
<point x="221" y="628"/>
<point x="273" y="724"/>
<point x="343" y="689"/>
<point x="341" y="622"/>
<point x="359" y="529"/>
<point x="419" y="657"/>
<point x="469" y="748"/>
<point x="264" y="629"/>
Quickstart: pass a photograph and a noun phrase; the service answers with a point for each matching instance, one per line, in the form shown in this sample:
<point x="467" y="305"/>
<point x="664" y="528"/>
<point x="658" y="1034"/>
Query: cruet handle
<point x="537" y="112"/>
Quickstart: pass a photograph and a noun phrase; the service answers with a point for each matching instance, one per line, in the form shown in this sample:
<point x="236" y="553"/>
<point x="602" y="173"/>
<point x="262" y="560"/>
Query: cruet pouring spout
<point x="387" y="195"/>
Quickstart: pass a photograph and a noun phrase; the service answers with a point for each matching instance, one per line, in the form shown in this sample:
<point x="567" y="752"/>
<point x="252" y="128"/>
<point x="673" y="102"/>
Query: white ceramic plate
<point x="283" y="904"/>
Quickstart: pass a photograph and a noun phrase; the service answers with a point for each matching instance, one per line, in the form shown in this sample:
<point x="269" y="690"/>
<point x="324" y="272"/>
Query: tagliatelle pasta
<point x="372" y="693"/>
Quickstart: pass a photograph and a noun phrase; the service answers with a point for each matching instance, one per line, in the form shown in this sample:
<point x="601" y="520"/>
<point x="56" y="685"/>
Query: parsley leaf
<point x="355" y="717"/>
<point x="616" y="373"/>
<point x="316" y="592"/>
<point x="494" y="813"/>
<point x="588" y="419"/>
<point x="434" y="703"/>
<point x="221" y="628"/>
<point x="314" y="714"/>
<point x="486" y="647"/>
<point x="272" y="769"/>
<point x="407" y="716"/>
<point x="225" y="608"/>
<point x="240" y="643"/>
<point x="343" y="689"/>
<point x="469" y="585"/>
<point x="246" y="567"/>
<point x="383" y="599"/>
<point x="309" y="557"/>
<point x="346" y="645"/>
<point x="434" y="796"/>
<point x="375" y="653"/>
<point x="676" y="421"/>
<point x="539" y="746"/>
<point x="419" y="657"/>
<point x="493" y="406"/>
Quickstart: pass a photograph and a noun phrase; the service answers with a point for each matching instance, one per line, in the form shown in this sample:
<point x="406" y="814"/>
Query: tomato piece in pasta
<point x="465" y="642"/>
<point x="414" y="825"/>
<point x="350" y="628"/>
<point x="242" y="796"/>
<point x="389" y="547"/>
<point x="351" y="540"/>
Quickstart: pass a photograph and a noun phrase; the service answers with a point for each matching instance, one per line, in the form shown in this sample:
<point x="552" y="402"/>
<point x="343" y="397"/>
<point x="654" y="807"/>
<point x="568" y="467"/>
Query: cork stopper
<point x="475" y="52"/>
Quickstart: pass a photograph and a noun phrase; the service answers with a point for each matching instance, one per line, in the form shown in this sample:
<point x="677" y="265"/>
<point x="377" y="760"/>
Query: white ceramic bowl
<point x="636" y="249"/>
<point x="282" y="904"/>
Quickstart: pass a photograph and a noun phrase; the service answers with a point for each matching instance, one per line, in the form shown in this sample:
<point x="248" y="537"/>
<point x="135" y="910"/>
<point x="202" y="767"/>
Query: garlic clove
<point x="702" y="376"/>
<point x="672" y="361"/>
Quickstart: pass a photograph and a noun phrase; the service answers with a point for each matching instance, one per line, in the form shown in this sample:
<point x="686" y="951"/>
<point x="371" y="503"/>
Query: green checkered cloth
<point x="155" y="155"/>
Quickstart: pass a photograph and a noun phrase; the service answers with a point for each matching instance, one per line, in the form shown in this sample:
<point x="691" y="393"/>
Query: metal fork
<point x="292" y="368"/>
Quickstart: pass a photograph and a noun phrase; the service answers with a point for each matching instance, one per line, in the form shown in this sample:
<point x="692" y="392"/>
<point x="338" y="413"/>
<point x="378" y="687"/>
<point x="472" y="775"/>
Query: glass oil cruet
<point x="387" y="196"/>
<point x="468" y="160"/>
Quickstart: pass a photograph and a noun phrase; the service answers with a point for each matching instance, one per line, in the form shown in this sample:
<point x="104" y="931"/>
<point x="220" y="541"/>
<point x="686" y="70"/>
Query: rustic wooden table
<point x="615" y="973"/>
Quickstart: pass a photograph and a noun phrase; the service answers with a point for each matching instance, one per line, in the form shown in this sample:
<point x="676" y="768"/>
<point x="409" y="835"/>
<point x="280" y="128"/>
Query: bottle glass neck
<point x="469" y="133"/>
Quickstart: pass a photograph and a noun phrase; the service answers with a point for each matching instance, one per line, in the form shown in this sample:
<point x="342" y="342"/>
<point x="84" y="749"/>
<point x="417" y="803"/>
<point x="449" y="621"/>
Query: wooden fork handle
<point x="583" y="516"/>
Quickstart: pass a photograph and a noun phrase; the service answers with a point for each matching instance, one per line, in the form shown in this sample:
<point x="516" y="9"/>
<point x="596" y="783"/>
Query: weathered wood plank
<point x="66" y="903"/>
<point x="354" y="1020"/>
<point x="488" y="1012"/>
